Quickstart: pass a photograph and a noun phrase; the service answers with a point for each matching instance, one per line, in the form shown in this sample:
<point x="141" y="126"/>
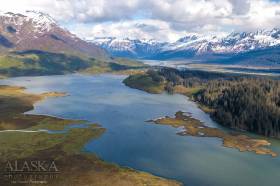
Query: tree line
<point x="243" y="102"/>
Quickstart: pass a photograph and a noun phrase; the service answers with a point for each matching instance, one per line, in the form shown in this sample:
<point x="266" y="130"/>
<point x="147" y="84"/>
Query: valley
<point x="200" y="110"/>
<point x="258" y="48"/>
<point x="216" y="67"/>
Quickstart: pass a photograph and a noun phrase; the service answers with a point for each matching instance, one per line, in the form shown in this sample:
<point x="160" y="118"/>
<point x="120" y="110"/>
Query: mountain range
<point x="261" y="47"/>
<point x="32" y="37"/>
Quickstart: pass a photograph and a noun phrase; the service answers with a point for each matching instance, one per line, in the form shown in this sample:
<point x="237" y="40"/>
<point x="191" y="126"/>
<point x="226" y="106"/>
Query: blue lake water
<point x="132" y="142"/>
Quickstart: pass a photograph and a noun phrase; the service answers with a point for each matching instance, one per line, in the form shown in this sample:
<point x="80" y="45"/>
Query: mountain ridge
<point x="193" y="45"/>
<point x="33" y="30"/>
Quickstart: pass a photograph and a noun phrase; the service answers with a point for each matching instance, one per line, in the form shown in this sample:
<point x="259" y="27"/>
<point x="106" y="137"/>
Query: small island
<point x="193" y="127"/>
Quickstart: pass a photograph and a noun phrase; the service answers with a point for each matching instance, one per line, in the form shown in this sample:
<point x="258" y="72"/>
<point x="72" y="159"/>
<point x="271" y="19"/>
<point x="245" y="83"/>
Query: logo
<point x="30" y="171"/>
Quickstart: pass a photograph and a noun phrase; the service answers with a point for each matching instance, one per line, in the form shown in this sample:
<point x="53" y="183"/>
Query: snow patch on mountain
<point x="128" y="47"/>
<point x="40" y="22"/>
<point x="33" y="30"/>
<point x="232" y="43"/>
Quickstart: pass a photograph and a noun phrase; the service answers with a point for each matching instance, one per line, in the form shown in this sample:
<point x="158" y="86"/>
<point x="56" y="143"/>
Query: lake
<point x="132" y="142"/>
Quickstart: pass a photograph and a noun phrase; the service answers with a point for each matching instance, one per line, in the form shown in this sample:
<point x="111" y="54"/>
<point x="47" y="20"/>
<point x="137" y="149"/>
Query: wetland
<point x="103" y="127"/>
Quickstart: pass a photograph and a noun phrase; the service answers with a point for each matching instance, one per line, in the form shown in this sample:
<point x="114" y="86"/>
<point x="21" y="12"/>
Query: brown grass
<point x="193" y="127"/>
<point x="76" y="168"/>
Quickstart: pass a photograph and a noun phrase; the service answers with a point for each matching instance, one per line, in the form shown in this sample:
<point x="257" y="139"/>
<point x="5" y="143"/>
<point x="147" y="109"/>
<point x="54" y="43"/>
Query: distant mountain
<point x="132" y="48"/>
<point x="234" y="43"/>
<point x="197" y="46"/>
<point x="262" y="57"/>
<point x="38" y="31"/>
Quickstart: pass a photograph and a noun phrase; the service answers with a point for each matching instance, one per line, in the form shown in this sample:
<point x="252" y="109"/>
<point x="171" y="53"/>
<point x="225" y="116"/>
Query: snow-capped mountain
<point x="192" y="45"/>
<point x="232" y="43"/>
<point x="33" y="30"/>
<point x="129" y="47"/>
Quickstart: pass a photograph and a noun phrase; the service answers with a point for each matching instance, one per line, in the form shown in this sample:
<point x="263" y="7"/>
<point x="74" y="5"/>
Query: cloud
<point x="240" y="7"/>
<point x="155" y="18"/>
<point x="145" y="29"/>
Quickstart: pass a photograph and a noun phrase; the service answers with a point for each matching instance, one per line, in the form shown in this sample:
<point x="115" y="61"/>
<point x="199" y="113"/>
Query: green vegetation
<point x="150" y="82"/>
<point x="188" y="91"/>
<point x="9" y="62"/>
<point x="34" y="62"/>
<point x="14" y="102"/>
<point x="116" y="65"/>
<point x="251" y="104"/>
<point x="22" y="139"/>
<point x="241" y="102"/>
<point x="129" y="62"/>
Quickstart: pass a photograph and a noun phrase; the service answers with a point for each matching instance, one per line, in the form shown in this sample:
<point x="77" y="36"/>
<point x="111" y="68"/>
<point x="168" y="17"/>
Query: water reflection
<point x="130" y="141"/>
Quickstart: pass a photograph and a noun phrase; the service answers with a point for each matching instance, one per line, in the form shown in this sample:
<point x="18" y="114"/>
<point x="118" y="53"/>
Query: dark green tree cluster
<point x="242" y="102"/>
<point x="186" y="78"/>
<point x="156" y="77"/>
<point x="250" y="104"/>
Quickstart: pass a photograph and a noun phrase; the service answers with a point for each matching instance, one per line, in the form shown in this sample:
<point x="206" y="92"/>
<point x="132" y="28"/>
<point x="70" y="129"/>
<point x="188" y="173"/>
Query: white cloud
<point x="145" y="29"/>
<point x="155" y="18"/>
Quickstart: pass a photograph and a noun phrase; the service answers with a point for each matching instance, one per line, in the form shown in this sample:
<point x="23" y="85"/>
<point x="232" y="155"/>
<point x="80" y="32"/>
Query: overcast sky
<point x="159" y="19"/>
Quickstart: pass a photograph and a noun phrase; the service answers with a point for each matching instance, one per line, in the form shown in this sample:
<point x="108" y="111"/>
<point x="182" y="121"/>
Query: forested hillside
<point x="244" y="102"/>
<point x="251" y="104"/>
